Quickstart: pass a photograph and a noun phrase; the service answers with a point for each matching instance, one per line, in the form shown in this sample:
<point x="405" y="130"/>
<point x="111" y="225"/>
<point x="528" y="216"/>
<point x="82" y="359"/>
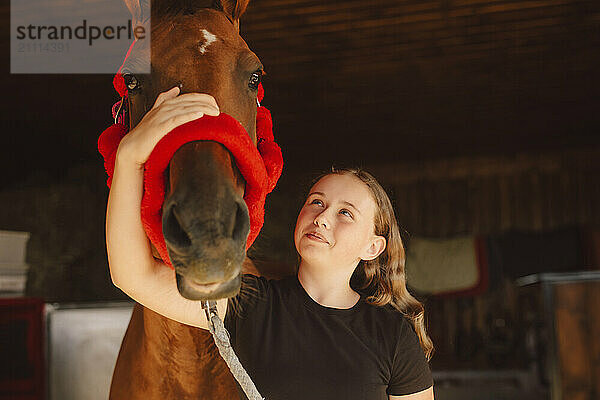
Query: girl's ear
<point x="376" y="247"/>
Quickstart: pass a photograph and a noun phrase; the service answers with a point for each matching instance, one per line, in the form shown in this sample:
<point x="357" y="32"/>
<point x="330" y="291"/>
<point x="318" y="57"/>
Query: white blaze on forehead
<point x="209" y="39"/>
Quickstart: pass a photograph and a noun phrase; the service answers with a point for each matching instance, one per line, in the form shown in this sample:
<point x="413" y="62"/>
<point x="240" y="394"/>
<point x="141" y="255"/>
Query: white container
<point x="13" y="269"/>
<point x="83" y="345"/>
<point x="12" y="285"/>
<point x="13" y="278"/>
<point x="13" y="246"/>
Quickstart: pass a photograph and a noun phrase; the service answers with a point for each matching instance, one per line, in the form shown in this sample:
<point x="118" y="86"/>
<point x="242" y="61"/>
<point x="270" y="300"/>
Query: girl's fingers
<point x="167" y="119"/>
<point x="164" y="96"/>
<point x="184" y="118"/>
<point x="143" y="141"/>
<point x="173" y="120"/>
<point x="203" y="98"/>
<point x="213" y="111"/>
<point x="168" y="111"/>
<point x="193" y="107"/>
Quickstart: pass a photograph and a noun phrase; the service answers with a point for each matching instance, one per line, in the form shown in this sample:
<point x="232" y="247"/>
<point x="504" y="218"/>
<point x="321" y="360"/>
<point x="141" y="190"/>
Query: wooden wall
<point x="487" y="195"/>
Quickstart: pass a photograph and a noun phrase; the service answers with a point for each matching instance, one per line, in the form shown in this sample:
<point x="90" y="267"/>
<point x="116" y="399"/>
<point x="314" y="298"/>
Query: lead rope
<point x="221" y="337"/>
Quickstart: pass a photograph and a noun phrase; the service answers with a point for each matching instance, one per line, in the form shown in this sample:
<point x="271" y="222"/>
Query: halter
<point x="261" y="165"/>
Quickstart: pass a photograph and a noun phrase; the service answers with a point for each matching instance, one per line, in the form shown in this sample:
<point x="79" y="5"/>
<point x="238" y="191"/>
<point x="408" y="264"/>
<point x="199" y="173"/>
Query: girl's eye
<point x="317" y="202"/>
<point x="346" y="213"/>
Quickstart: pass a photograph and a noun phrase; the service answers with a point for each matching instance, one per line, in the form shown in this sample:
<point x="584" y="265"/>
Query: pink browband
<point x="261" y="165"/>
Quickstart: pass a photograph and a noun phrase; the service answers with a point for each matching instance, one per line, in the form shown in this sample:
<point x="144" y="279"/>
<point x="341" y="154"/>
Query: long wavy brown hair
<point x="383" y="280"/>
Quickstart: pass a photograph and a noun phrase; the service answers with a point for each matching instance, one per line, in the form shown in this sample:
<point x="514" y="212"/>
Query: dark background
<point x="480" y="117"/>
<point x="363" y="82"/>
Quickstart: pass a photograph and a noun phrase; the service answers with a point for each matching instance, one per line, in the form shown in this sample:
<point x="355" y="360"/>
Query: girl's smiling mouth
<point x="317" y="237"/>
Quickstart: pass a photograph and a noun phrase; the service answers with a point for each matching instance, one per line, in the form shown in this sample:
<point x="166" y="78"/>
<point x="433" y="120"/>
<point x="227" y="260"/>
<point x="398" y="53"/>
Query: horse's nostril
<point x="241" y="226"/>
<point x="173" y="231"/>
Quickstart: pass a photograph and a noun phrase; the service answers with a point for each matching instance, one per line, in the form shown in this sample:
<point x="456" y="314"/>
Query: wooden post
<point x="577" y="322"/>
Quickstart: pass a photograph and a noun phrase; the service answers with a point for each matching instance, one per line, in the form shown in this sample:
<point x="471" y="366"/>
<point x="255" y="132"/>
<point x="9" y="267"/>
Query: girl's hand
<point x="169" y="111"/>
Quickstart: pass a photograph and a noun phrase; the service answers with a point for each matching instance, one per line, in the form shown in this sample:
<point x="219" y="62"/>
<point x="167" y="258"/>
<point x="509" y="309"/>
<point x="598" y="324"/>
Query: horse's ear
<point x="234" y="9"/>
<point x="140" y="11"/>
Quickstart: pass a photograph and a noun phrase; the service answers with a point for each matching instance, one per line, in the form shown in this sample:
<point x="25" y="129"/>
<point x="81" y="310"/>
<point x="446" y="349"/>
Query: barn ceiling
<point x="359" y="82"/>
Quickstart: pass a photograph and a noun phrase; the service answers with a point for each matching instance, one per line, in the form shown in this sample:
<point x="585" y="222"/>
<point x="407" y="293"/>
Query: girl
<point x="344" y="326"/>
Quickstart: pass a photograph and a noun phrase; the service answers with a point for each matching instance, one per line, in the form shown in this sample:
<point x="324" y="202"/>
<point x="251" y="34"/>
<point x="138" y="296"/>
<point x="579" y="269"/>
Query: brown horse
<point x="195" y="43"/>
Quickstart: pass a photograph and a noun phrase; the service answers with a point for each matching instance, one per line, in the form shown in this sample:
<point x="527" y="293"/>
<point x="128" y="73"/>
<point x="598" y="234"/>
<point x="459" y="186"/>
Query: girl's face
<point x="335" y="226"/>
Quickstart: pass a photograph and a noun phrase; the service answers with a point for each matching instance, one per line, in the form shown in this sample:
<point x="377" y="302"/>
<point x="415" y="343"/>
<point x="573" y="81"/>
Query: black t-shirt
<point x="294" y="348"/>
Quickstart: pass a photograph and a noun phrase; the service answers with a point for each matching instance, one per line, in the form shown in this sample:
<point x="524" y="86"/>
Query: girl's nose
<point x="321" y="220"/>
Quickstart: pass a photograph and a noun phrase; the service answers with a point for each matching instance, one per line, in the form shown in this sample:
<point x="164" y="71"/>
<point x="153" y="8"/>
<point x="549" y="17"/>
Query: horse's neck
<point x="169" y="341"/>
<point x="159" y="353"/>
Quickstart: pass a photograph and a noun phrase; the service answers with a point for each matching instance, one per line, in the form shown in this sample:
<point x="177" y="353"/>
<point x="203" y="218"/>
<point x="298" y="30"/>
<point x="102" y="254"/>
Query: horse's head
<point x="204" y="217"/>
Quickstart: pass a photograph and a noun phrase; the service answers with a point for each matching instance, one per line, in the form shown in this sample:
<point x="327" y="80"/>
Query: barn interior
<point x="480" y="118"/>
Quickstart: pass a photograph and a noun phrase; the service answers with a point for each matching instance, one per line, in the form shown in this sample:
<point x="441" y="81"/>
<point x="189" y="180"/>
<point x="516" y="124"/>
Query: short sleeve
<point x="410" y="369"/>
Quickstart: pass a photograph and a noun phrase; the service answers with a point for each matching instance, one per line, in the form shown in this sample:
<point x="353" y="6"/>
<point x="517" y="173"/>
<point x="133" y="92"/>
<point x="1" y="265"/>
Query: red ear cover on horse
<point x="261" y="165"/>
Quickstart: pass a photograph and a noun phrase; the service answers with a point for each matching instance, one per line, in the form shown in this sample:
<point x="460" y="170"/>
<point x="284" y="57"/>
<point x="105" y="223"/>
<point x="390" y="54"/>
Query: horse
<point x="194" y="43"/>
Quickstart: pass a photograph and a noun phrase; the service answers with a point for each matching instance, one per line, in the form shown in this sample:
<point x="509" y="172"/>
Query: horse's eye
<point x="255" y="79"/>
<point x="131" y="81"/>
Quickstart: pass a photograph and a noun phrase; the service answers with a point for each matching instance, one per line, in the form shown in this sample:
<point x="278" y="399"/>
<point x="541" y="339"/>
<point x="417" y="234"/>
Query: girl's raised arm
<point x="133" y="269"/>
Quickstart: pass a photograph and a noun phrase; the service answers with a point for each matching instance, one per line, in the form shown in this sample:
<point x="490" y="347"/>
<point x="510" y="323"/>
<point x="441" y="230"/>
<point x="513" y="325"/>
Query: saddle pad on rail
<point x="455" y="266"/>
